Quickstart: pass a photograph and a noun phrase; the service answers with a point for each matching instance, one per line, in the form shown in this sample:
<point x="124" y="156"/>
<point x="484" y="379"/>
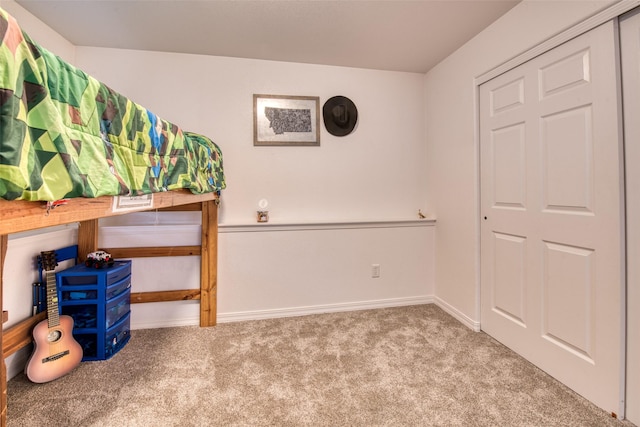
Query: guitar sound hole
<point x="54" y="335"/>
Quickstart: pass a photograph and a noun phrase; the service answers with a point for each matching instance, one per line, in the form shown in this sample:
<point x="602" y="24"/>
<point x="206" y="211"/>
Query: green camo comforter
<point x="64" y="134"/>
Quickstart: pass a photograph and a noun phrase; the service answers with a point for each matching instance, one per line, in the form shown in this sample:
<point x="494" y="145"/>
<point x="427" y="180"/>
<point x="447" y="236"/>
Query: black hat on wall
<point x="340" y="115"/>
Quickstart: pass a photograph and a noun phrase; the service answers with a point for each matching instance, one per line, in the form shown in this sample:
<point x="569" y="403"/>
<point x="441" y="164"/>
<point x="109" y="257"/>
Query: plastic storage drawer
<point x="98" y="300"/>
<point x="82" y="275"/>
<point x="96" y="347"/>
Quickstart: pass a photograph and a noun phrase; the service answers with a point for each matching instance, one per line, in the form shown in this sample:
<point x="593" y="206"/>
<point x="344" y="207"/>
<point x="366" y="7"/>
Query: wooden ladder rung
<point x="163" y="296"/>
<point x="154" y="251"/>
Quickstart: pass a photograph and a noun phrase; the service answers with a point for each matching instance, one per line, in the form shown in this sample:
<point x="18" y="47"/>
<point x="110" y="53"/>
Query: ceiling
<point x="395" y="35"/>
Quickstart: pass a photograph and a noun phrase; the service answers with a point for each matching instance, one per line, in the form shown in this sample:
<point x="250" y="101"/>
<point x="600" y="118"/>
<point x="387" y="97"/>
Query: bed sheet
<point x="64" y="134"/>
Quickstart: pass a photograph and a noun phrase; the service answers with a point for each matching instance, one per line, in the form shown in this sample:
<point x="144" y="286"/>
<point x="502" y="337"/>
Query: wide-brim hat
<point x="340" y="115"/>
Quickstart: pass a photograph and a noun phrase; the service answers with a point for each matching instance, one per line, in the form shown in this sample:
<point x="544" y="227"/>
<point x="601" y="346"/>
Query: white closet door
<point x="551" y="236"/>
<point x="630" y="53"/>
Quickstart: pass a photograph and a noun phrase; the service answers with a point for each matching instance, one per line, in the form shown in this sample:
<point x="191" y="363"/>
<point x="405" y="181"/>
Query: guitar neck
<point x="53" y="314"/>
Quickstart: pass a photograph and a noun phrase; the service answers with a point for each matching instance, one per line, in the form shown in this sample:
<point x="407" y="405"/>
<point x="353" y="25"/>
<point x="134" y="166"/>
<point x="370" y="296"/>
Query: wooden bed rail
<point x="19" y="335"/>
<point x="20" y="215"/>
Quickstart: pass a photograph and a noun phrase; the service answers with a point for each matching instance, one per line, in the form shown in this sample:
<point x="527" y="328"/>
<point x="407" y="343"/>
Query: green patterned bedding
<point x="63" y="134"/>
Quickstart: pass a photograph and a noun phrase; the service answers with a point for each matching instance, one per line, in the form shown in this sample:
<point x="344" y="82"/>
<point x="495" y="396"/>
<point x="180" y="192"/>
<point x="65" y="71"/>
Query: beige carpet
<point x="407" y="366"/>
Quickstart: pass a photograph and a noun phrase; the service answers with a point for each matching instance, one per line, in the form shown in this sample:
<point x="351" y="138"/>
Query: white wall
<point x="285" y="270"/>
<point x="377" y="172"/>
<point x="452" y="161"/>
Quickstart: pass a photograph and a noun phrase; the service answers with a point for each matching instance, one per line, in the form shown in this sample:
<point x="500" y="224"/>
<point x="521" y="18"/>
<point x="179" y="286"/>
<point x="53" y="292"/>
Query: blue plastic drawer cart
<point x="98" y="301"/>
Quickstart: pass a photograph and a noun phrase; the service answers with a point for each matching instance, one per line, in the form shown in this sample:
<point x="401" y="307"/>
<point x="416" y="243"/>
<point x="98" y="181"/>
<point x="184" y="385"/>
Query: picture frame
<point x="280" y="120"/>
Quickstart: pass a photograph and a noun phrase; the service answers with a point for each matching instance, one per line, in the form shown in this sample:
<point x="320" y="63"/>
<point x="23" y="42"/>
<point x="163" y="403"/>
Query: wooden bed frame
<point x="17" y="216"/>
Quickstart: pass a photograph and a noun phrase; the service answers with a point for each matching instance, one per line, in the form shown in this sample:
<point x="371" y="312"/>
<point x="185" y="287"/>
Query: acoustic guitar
<point x="55" y="352"/>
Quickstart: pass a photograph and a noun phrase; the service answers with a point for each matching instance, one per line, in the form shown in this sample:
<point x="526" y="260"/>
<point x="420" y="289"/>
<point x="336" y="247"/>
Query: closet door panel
<point x="551" y="197"/>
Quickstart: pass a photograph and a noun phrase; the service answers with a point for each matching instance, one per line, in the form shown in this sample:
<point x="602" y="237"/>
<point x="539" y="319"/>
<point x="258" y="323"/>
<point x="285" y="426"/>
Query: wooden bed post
<point x="3" y="369"/>
<point x="208" y="259"/>
<point x="87" y="238"/>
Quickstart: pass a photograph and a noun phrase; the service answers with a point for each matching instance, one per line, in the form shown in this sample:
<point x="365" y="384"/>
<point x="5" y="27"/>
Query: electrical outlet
<point x="375" y="270"/>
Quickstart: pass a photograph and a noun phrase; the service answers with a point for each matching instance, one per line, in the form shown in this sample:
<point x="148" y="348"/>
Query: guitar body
<point x="55" y="353"/>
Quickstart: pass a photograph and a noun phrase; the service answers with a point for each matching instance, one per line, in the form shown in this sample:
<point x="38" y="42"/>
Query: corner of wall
<point x="38" y="30"/>
<point x="460" y="316"/>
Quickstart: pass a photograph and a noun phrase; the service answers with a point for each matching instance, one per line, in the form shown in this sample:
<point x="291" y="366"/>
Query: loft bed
<point x="71" y="148"/>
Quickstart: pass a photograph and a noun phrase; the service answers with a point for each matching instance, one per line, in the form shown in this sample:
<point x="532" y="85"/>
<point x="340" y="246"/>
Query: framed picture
<point x="286" y="120"/>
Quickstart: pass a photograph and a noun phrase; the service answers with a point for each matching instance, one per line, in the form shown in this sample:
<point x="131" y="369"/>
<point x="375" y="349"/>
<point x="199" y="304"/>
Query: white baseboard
<point x="460" y="316"/>
<point x="170" y="323"/>
<point x="318" y="309"/>
<point x="286" y="312"/>
<point x="193" y="320"/>
<point x="17" y="361"/>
